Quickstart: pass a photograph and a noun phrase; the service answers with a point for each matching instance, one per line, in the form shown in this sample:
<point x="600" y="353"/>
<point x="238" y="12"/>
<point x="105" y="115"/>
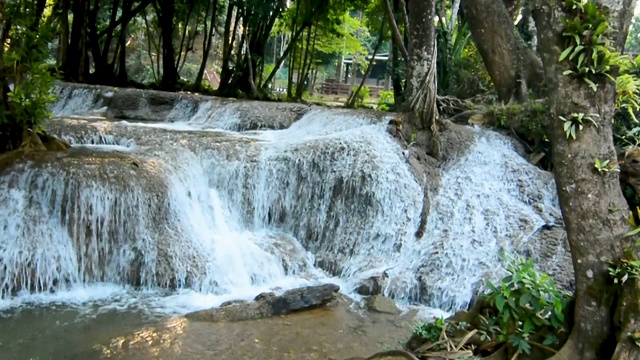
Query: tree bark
<point x="397" y="38"/>
<point x="421" y="79"/>
<point x="595" y="233"/>
<point x="207" y="42"/>
<point x="165" y="11"/>
<point x="512" y="66"/>
<point x="74" y="58"/>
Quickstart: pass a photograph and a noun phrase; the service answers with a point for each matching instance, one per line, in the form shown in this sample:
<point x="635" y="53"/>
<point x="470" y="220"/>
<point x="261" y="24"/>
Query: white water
<point x="333" y="187"/>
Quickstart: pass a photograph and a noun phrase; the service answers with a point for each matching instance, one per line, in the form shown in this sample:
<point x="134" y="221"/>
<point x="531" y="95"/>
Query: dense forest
<point x="551" y="72"/>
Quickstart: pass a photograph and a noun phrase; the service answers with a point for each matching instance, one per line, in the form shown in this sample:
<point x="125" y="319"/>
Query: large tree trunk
<point x="512" y="66"/>
<point x="595" y="232"/>
<point x="421" y="77"/>
<point x="74" y="58"/>
<point x="165" y="11"/>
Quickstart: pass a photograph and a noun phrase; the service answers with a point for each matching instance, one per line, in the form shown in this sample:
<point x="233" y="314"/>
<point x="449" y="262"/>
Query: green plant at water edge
<point x="430" y="331"/>
<point x="606" y="166"/>
<point x="31" y="82"/>
<point x="527" y="302"/>
<point x="575" y="122"/>
<point x="386" y="101"/>
<point x="361" y="96"/>
<point x="588" y="46"/>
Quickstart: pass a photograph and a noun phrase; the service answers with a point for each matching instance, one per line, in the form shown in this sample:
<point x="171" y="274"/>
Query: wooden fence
<point x="330" y="87"/>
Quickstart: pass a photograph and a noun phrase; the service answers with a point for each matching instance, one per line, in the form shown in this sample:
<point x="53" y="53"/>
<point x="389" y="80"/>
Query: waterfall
<point x="219" y="211"/>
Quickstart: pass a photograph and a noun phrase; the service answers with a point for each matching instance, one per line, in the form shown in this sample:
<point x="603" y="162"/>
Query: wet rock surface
<point x="269" y="304"/>
<point x="325" y="333"/>
<point x="158" y="106"/>
<point x="382" y="304"/>
<point x="370" y="286"/>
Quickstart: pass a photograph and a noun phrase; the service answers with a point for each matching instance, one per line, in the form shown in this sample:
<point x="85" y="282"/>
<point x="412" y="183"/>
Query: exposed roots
<point x="423" y="103"/>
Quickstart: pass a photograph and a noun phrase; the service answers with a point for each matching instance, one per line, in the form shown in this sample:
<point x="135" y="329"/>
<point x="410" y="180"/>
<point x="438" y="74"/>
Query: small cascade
<point x="74" y="101"/>
<point x="490" y="201"/>
<point x="217" y="210"/>
<point x="81" y="232"/>
<point x="213" y="116"/>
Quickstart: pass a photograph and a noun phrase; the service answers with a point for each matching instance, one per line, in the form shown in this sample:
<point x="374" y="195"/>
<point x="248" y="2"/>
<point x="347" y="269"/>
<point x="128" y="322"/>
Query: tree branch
<point x="397" y="38"/>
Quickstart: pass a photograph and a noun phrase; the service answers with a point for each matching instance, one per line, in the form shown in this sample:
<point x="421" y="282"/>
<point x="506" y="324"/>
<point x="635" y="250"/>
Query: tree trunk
<point x="352" y="98"/>
<point x="165" y="11"/>
<point x="512" y="66"/>
<point x="595" y="232"/>
<point x="64" y="34"/>
<point x="122" y="77"/>
<point x="397" y="37"/>
<point x="207" y="42"/>
<point x="421" y="79"/>
<point x="74" y="67"/>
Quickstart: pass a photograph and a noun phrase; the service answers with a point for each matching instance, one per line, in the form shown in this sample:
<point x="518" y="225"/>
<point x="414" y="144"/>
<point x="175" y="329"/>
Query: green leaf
<point x="500" y="302"/>
<point x="581" y="59"/>
<point x="528" y="327"/>
<point x="505" y="316"/>
<point x="565" y="53"/>
<point x="576" y="52"/>
<point x="593" y="86"/>
<point x="633" y="232"/>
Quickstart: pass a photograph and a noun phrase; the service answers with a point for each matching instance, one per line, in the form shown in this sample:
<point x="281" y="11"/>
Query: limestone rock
<point x="266" y="306"/>
<point x="370" y="286"/>
<point x="52" y="143"/>
<point x="232" y="302"/>
<point x="382" y="304"/>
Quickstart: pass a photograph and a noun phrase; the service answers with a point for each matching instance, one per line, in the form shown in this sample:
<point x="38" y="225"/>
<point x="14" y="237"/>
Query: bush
<point x="386" y="101"/>
<point x="27" y="104"/>
<point x="360" y="96"/>
<point x="526" y="302"/>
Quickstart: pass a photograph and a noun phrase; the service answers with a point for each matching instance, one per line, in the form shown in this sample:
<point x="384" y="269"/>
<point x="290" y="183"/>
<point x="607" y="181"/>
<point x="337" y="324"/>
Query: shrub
<point x="386" y="101"/>
<point x="360" y="96"/>
<point x="527" y="302"/>
<point x="26" y="105"/>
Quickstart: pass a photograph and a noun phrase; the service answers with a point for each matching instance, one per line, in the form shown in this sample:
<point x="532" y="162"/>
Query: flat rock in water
<point x="382" y="304"/>
<point x="266" y="306"/>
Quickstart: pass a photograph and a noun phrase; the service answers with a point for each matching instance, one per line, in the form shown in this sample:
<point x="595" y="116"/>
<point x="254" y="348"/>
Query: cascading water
<point x="219" y="214"/>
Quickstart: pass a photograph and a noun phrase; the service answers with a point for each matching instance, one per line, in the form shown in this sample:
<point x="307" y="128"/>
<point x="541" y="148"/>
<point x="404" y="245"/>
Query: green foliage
<point x="361" y="96"/>
<point x="529" y="116"/>
<point x="461" y="71"/>
<point x="633" y="38"/>
<point x="527" y="302"/>
<point x="628" y="87"/>
<point x="624" y="270"/>
<point x="588" y="47"/>
<point x="430" y="331"/>
<point x="435" y="331"/>
<point x="606" y="166"/>
<point x="575" y="123"/>
<point x="386" y="101"/>
<point x="29" y="100"/>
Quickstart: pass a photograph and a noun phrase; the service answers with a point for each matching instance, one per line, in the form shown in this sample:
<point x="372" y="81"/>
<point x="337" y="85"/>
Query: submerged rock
<point x="267" y="305"/>
<point x="382" y="304"/>
<point x="370" y="286"/>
